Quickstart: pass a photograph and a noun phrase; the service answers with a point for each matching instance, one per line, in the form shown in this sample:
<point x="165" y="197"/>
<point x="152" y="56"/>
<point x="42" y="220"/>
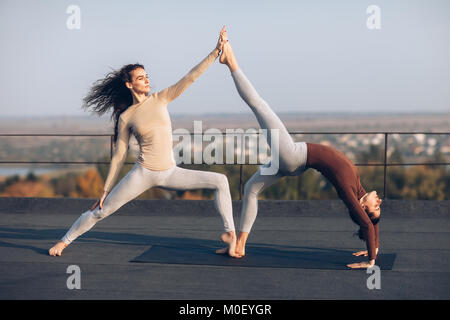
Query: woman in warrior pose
<point x="127" y="93"/>
<point x="293" y="159"/>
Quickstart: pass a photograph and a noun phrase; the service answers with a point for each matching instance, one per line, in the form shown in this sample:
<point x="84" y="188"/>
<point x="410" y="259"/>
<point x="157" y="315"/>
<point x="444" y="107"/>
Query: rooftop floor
<point x="420" y="240"/>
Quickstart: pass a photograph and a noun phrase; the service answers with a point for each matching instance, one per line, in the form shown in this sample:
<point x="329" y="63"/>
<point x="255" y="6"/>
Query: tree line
<point x="424" y="182"/>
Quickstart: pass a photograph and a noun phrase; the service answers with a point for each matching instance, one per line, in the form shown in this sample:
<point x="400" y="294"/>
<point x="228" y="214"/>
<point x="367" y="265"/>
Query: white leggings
<point x="140" y="179"/>
<point x="291" y="155"/>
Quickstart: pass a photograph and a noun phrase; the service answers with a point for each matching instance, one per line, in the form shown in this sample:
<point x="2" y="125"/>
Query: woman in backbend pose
<point x="295" y="158"/>
<point x="126" y="93"/>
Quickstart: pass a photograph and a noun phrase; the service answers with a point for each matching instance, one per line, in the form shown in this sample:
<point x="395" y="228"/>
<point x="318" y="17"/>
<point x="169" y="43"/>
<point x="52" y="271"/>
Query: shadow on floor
<point x="172" y="250"/>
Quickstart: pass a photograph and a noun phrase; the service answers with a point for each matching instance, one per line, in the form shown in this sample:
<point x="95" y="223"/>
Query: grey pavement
<point x="417" y="231"/>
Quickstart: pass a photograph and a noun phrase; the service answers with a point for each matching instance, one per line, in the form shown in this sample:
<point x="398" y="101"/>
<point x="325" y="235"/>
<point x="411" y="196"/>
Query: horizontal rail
<point x="228" y="164"/>
<point x="54" y="135"/>
<point x="206" y="133"/>
<point x="384" y="164"/>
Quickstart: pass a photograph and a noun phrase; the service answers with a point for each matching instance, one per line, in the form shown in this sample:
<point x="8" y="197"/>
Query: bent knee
<point x="100" y="214"/>
<point x="251" y="190"/>
<point x="221" y="181"/>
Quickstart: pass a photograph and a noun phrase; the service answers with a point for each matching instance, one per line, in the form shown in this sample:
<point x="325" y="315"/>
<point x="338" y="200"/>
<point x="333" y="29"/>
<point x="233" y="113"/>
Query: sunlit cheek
<point x="375" y="208"/>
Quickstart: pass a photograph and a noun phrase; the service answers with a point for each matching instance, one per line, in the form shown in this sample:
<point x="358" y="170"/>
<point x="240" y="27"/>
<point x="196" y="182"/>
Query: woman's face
<point x="139" y="81"/>
<point x="372" y="202"/>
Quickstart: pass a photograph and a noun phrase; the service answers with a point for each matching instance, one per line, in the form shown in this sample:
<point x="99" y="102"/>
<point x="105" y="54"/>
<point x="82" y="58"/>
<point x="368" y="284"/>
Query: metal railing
<point x="384" y="164"/>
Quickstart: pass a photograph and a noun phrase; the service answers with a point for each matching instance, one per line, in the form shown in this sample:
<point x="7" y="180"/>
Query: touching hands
<point x="222" y="39"/>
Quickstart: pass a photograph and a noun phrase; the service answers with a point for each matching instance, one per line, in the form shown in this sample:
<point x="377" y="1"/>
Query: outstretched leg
<point x="290" y="157"/>
<point x="132" y="185"/>
<point x="184" y="179"/>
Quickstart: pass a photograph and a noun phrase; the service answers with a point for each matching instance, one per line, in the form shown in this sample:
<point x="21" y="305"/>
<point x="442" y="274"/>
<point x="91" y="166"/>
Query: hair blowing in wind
<point x="111" y="94"/>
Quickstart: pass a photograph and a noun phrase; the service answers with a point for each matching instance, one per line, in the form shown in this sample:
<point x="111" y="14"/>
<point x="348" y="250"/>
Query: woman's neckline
<point x="134" y="106"/>
<point x="139" y="103"/>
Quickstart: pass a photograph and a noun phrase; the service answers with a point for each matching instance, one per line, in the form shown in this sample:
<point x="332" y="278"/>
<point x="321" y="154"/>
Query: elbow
<point x="190" y="79"/>
<point x="118" y="158"/>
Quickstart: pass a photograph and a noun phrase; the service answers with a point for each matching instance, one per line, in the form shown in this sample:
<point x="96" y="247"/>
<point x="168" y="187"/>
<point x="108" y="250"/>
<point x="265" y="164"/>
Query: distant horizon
<point x="317" y="113"/>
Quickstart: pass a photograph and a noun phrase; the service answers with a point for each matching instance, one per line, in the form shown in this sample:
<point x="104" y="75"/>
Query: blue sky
<point x="316" y="56"/>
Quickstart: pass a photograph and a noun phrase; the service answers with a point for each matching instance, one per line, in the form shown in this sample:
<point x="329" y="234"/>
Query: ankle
<point x="232" y="66"/>
<point x="232" y="234"/>
<point x="228" y="237"/>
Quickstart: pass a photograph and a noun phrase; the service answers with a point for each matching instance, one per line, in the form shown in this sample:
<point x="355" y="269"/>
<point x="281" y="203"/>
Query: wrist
<point x="372" y="262"/>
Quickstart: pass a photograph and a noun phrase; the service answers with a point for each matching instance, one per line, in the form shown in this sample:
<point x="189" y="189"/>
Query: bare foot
<point x="240" y="243"/>
<point x="222" y="251"/>
<point x="57" y="249"/>
<point x="230" y="239"/>
<point x="227" y="57"/>
<point x="240" y="248"/>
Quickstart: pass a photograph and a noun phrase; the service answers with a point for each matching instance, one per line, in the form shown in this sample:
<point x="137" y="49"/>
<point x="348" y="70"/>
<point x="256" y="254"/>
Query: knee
<point x="100" y="214"/>
<point x="222" y="181"/>
<point x="250" y="190"/>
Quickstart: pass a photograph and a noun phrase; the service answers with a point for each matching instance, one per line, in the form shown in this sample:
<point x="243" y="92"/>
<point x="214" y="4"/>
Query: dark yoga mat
<point x="267" y="257"/>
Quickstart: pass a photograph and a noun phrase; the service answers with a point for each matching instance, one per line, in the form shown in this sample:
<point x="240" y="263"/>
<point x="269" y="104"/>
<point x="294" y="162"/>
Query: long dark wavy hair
<point x="111" y="94"/>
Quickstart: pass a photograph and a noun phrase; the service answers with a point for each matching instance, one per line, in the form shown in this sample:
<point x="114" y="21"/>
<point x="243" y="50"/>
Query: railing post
<point x="385" y="163"/>
<point x="240" y="182"/>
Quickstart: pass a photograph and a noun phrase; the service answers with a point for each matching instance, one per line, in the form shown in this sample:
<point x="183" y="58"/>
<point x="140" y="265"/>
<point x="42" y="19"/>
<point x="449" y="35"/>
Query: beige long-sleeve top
<point x="150" y="122"/>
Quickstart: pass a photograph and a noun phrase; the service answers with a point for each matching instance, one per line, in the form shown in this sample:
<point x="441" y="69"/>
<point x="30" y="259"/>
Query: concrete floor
<point x="421" y="269"/>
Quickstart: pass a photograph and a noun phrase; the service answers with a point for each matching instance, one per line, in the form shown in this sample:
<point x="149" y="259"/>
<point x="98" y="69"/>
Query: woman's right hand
<point x="363" y="253"/>
<point x="100" y="201"/>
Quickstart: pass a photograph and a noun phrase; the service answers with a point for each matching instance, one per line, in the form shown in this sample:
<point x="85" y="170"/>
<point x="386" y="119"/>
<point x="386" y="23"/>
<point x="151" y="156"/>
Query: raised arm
<point x="119" y="155"/>
<point x="174" y="91"/>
